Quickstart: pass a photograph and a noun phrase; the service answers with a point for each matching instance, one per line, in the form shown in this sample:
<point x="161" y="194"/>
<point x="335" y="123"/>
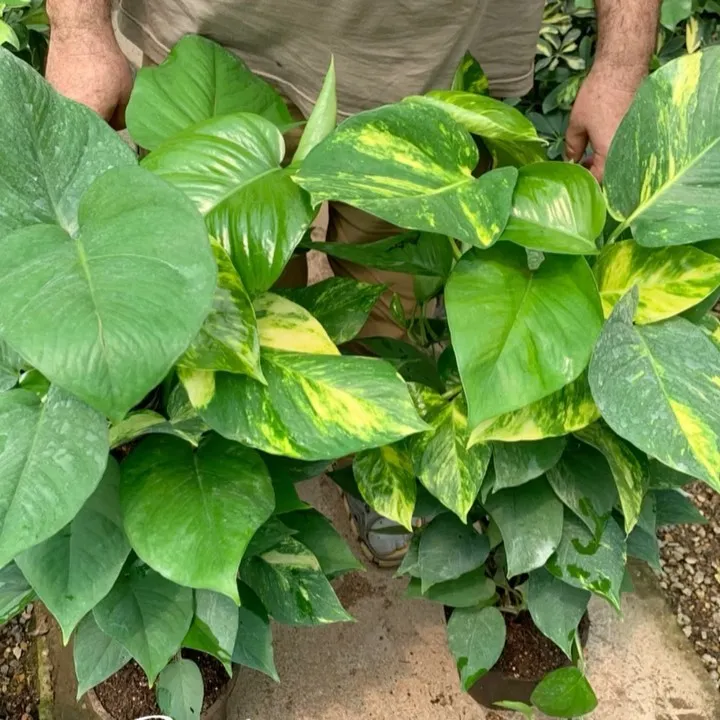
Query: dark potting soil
<point x="126" y="695"/>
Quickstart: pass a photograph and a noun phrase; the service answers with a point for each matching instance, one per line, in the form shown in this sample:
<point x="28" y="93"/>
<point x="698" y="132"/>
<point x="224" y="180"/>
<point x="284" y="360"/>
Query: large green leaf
<point x="323" y="118"/>
<point x="710" y="325"/>
<point x="314" y="406"/>
<point x="556" y="608"/>
<point x="198" y="80"/>
<point x="341" y="305"/>
<point x="386" y="481"/>
<point x="105" y="312"/>
<point x="190" y="514"/>
<point x="411" y="164"/>
<point x="96" y="655"/>
<point x="674" y="507"/>
<point x="450" y="470"/>
<point x="148" y="422"/>
<point x="449" y="549"/>
<point x="669" y="280"/>
<point x="564" y="693"/>
<point x="214" y="626"/>
<point x="660" y="168"/>
<point x="291" y="585"/>
<point x="10" y="365"/>
<point x="672" y="371"/>
<point x="52" y="150"/>
<point x="590" y="563"/>
<point x="180" y="690"/>
<point x="15" y="592"/>
<point x="253" y="643"/>
<point x="229" y="338"/>
<point x="567" y="410"/>
<point x="519" y="462"/>
<point x="469" y="590"/>
<point x="76" y="568"/>
<point x="519" y="335"/>
<point x="52" y="456"/>
<point x="230" y="168"/>
<point x="530" y="518"/>
<point x="476" y="637"/>
<point x="674" y="12"/>
<point x="557" y="207"/>
<point x="148" y="615"/>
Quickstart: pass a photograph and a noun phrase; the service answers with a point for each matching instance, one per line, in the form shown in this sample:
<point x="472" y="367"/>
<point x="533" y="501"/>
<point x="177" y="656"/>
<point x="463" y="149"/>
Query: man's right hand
<point x="87" y="65"/>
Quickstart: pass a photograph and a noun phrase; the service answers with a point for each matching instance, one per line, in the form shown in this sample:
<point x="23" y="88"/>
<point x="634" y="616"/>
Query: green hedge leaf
<point x="530" y="518"/>
<point x="112" y="306"/>
<point x="519" y="335"/>
<point x="476" y="637"/>
<point x="214" y="626"/>
<point x="148" y="615"/>
<point x="557" y="208"/>
<point x="556" y="608"/>
<point x="469" y="590"/>
<point x="219" y="495"/>
<point x="15" y="592"/>
<point x="449" y="549"/>
<point x="314" y="406"/>
<point x="671" y="371"/>
<point x="230" y="168"/>
<point x="411" y="164"/>
<point x="519" y="462"/>
<point x="666" y="148"/>
<point x="199" y="80"/>
<point x="290" y="583"/>
<point x="253" y="643"/>
<point x="52" y="457"/>
<point x="180" y="690"/>
<point x="77" y="567"/>
<point x="564" y="693"/>
<point x="669" y="280"/>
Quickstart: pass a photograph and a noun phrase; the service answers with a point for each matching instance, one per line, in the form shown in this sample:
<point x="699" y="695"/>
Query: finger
<point x="597" y="166"/>
<point x="576" y="140"/>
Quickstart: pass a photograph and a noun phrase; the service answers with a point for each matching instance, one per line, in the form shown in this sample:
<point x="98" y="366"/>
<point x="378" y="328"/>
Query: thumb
<point x="576" y="140"/>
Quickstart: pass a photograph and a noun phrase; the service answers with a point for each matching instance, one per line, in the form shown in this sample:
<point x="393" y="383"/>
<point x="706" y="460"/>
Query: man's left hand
<point x="601" y="104"/>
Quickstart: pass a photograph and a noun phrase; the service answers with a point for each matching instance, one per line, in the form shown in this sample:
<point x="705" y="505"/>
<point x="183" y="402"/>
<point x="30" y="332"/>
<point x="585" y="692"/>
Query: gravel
<point x="18" y="697"/>
<point x="690" y="557"/>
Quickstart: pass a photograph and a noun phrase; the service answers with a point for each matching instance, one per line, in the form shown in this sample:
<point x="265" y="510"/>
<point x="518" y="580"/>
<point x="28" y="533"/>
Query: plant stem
<point x="456" y="250"/>
<point x="451" y="394"/>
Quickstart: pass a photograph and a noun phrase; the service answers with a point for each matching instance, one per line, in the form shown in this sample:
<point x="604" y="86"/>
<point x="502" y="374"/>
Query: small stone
<point x="714" y="675"/>
<point x="4" y="669"/>
<point x="687" y="592"/>
<point x="688" y="631"/>
<point x="690" y="560"/>
<point x="17" y="652"/>
<point x="699" y="577"/>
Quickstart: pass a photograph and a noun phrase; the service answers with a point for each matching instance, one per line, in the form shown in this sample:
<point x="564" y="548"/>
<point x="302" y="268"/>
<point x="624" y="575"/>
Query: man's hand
<point x="601" y="104"/>
<point x="89" y="67"/>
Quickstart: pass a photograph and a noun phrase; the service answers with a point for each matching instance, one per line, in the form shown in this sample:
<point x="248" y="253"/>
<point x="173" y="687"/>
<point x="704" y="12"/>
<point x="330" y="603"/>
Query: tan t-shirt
<point x="384" y="49"/>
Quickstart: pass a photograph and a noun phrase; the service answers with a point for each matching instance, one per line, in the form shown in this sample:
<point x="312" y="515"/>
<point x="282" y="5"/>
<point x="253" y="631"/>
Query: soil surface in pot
<point x="18" y="695"/>
<point x="126" y="695"/>
<point x="528" y="654"/>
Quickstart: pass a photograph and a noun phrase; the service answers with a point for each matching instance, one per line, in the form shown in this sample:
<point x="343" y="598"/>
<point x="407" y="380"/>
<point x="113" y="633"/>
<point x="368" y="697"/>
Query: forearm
<point x="627" y="30"/>
<point x="85" y="16"/>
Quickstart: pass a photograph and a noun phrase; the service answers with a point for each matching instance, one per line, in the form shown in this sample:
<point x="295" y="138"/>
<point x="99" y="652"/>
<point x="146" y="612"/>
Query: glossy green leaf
<point x="285" y="325"/>
<point x="77" y="567"/>
<point x="664" y="153"/>
<point x="448" y="550"/>
<point x="410" y="564"/>
<point x="148" y="615"/>
<point x="197" y="81"/>
<point x="8" y="35"/>
<point x="664" y="477"/>
<point x="40" y="184"/>
<point x="556" y="608"/>
<point x="519" y="462"/>
<point x="253" y="643"/>
<point x="291" y="470"/>
<point x="567" y="410"/>
<point x="291" y="585"/>
<point x="564" y="693"/>
<point x="317" y="534"/>
<point x="116" y="303"/>
<point x="710" y="325"/>
<point x="96" y="655"/>
<point x="286" y="497"/>
<point x="526" y="710"/>
<point x="341" y="305"/>
<point x="268" y="536"/>
<point x="10" y="365"/>
<point x="214" y="626"/>
<point x="476" y="637"/>
<point x="410" y="361"/>
<point x="469" y="590"/>
<point x="470" y="77"/>
<point x="445" y="466"/>
<point x="629" y="469"/>
<point x="228" y="339"/>
<point x="15" y="592"/>
<point x="530" y="518"/>
<point x="674" y="12"/>
<point x="589" y="563"/>
<point x="180" y="690"/>
<point x="314" y="406"/>
<point x="519" y="335"/>
<point x="190" y="514"/>
<point x="557" y="207"/>
<point x="386" y="481"/>
<point x="52" y="456"/>
<point x="669" y="280"/>
<point x="672" y="371"/>
<point x="674" y="507"/>
<point x="323" y="118"/>
<point x="148" y="422"/>
<point x="230" y="168"/>
<point x="411" y="164"/>
<point x="643" y="545"/>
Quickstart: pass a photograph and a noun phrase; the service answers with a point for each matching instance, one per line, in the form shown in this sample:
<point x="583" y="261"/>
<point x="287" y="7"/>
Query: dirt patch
<point x="126" y="695"/>
<point x="352" y="588"/>
<point x="18" y="694"/>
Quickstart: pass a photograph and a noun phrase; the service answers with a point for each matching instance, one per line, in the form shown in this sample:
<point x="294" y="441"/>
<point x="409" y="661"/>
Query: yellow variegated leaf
<point x="284" y="325"/>
<point x="563" y="412"/>
<point x="670" y="280"/>
<point x="710" y="325"/>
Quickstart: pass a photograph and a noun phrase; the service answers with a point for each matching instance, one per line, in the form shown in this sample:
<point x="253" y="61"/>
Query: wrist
<point x="624" y="73"/>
